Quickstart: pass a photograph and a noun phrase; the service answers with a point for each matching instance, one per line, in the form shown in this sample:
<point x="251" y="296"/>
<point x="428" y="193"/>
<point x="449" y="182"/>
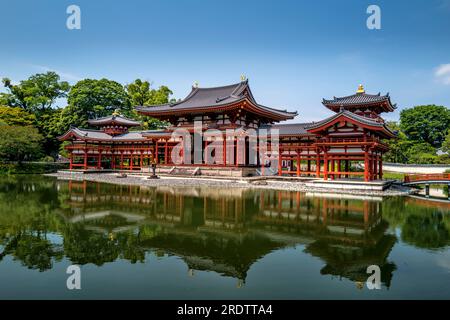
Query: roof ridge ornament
<point x="116" y="112"/>
<point x="243" y="77"/>
<point x="361" y="89"/>
<point x="195" y="85"/>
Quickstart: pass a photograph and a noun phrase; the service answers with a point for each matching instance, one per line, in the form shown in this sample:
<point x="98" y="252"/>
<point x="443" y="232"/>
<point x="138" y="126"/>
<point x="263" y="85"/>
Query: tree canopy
<point x="91" y="98"/>
<point x="141" y="93"/>
<point x="38" y="93"/>
<point x="16" y="116"/>
<point x="19" y="143"/>
<point x="427" y="123"/>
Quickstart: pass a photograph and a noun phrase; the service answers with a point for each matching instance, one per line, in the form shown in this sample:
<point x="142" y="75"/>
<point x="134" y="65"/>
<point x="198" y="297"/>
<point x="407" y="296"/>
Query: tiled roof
<point x="201" y="98"/>
<point x="289" y="129"/>
<point x="351" y="115"/>
<point x="87" y="134"/>
<point x="359" y="99"/>
<point x="113" y="119"/>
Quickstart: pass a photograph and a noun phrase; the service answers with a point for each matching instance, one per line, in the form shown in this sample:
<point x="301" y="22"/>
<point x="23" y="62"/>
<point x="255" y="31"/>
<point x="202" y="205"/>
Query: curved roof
<point x="363" y="121"/>
<point x="201" y="100"/>
<point x="289" y="129"/>
<point x="114" y="119"/>
<point x="361" y="99"/>
<point x="98" y="135"/>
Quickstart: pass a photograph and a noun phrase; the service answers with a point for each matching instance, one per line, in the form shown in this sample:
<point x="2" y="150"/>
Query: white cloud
<point x="442" y="73"/>
<point x="64" y="75"/>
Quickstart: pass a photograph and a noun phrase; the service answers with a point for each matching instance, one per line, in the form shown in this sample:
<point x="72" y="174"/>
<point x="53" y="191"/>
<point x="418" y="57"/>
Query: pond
<point x="206" y="243"/>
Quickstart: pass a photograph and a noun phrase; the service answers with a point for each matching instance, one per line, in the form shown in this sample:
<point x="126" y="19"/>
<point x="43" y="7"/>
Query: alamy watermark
<point x="374" y="280"/>
<point x="73" y="21"/>
<point x="74" y="280"/>
<point x="373" y="22"/>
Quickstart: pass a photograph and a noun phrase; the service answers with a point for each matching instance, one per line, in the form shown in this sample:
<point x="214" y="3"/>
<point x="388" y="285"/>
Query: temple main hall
<point x="347" y="145"/>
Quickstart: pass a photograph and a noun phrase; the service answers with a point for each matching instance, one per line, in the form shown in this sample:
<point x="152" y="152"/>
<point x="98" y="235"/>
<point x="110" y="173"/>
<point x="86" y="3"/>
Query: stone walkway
<point x="295" y="185"/>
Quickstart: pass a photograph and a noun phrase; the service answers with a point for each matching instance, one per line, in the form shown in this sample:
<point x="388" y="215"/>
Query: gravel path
<point x="140" y="180"/>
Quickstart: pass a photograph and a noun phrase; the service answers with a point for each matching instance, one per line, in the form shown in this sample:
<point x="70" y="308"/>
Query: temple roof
<point x="361" y="98"/>
<point x="201" y="100"/>
<point x="114" y="119"/>
<point x="291" y="129"/>
<point x="364" y="121"/>
<point x="98" y="135"/>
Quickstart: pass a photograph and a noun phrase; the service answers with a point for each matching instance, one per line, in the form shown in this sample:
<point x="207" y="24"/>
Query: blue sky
<point x="294" y="52"/>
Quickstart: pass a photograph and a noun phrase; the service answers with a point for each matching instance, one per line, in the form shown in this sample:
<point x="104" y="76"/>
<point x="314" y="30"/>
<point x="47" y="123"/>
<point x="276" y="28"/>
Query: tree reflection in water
<point x="210" y="229"/>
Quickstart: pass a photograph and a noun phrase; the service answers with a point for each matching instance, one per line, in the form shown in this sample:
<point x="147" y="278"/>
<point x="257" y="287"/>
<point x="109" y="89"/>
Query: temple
<point x="349" y="144"/>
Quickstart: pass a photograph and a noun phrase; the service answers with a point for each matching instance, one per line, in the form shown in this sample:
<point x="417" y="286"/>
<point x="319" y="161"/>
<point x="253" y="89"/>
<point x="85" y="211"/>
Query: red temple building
<point x="348" y="144"/>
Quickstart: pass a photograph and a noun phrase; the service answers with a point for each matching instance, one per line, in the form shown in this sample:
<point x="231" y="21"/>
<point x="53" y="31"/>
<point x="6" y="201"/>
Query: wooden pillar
<point x="309" y="167"/>
<point x="375" y="168"/>
<point x="71" y="160"/>
<point x="166" y="146"/>
<point x="347" y="168"/>
<point x="156" y="153"/>
<point x="85" y="158"/>
<point x="366" y="165"/>
<point x="142" y="160"/>
<point x="121" y="160"/>
<point x="318" y="163"/>
<point x="99" y="159"/>
<point x="339" y="168"/>
<point x="332" y="168"/>
<point x="380" y="167"/>
<point x="298" y="163"/>
<point x="325" y="165"/>
<point x="130" y="164"/>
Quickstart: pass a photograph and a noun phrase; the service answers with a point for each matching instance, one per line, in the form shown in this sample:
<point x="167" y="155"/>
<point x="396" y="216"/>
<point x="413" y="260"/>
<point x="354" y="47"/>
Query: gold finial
<point x="196" y="84"/>
<point x="243" y="77"/>
<point x="360" y="89"/>
<point x="116" y="112"/>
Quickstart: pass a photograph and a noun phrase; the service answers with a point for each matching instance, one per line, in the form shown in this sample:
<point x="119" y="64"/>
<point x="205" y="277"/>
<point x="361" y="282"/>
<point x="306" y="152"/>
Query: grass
<point x="393" y="176"/>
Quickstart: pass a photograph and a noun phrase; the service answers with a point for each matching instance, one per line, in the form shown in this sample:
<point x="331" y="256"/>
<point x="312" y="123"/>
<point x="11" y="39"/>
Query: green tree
<point x="19" y="143"/>
<point x="422" y="153"/>
<point x="427" y="123"/>
<point x="399" y="146"/>
<point x="446" y="143"/>
<point x="91" y="98"/>
<point x="140" y="93"/>
<point x="16" y="116"/>
<point x="36" y="94"/>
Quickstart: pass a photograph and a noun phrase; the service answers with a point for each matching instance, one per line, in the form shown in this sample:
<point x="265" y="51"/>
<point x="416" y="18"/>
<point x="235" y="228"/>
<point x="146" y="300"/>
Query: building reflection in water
<point x="228" y="231"/>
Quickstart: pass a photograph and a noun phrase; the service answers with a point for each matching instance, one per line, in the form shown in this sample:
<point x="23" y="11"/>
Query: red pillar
<point x="165" y="153"/>
<point x="332" y="169"/>
<point x="298" y="163"/>
<point x="380" y="168"/>
<point x="99" y="159"/>
<point x="85" y="158"/>
<point x="366" y="165"/>
<point x="318" y="163"/>
<point x="347" y="167"/>
<point x="339" y="168"/>
<point x="325" y="166"/>
<point x="121" y="160"/>
<point x="71" y="160"/>
<point x="309" y="167"/>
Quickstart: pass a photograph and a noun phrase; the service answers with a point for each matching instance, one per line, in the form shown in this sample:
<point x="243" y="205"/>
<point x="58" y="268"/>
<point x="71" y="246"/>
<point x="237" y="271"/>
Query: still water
<point x="206" y="243"/>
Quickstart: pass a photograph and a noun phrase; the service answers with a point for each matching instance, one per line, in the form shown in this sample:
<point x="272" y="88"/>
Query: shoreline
<point x="142" y="180"/>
